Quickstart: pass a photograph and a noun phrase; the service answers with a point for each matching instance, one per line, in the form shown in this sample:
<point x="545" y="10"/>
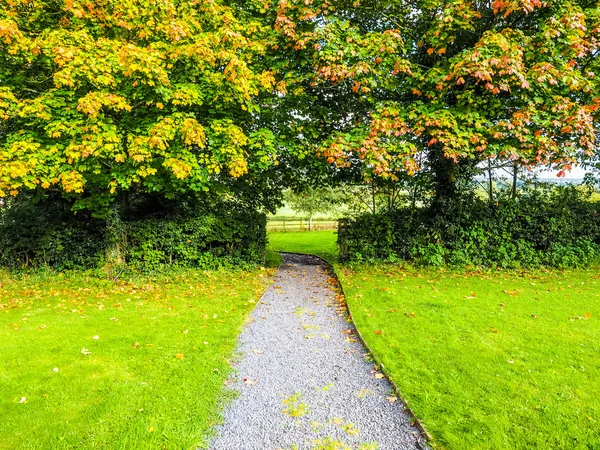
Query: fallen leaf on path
<point x="379" y="376"/>
<point x="258" y="352"/>
<point x="249" y="381"/>
<point x="392" y="399"/>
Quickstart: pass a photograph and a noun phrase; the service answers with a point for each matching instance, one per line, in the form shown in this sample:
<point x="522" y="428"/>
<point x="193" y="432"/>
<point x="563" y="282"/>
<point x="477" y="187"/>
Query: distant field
<point x="320" y="243"/>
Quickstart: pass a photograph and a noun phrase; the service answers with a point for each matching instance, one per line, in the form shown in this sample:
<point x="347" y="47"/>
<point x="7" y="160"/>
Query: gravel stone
<point x="304" y="378"/>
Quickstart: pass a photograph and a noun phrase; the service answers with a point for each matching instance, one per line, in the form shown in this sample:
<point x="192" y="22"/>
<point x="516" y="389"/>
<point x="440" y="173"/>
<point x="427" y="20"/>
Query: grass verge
<point x="487" y="360"/>
<point x="87" y="363"/>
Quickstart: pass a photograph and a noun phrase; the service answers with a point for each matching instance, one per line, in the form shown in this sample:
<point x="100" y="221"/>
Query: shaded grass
<point x="488" y="360"/>
<point x="155" y="371"/>
<point x="320" y="243"/>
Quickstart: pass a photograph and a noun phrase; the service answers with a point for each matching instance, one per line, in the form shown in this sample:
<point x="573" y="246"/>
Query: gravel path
<point x="305" y="380"/>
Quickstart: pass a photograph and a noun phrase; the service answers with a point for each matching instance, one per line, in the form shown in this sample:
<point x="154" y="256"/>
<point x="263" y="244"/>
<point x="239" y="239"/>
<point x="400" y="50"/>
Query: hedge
<point x="557" y="227"/>
<point x="50" y="237"/>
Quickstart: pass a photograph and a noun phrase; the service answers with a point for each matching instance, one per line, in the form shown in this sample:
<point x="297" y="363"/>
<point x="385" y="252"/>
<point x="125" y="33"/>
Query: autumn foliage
<point x="99" y="98"/>
<point x="513" y="80"/>
<point x="102" y="97"/>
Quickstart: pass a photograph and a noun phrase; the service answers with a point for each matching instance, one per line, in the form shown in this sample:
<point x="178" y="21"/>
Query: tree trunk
<point x="515" y="178"/>
<point x="115" y="237"/>
<point x="445" y="175"/>
<point x="491" y="183"/>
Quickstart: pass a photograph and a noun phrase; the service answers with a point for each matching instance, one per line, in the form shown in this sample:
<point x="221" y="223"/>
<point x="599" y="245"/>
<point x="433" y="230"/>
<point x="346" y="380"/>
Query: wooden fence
<point x="293" y="224"/>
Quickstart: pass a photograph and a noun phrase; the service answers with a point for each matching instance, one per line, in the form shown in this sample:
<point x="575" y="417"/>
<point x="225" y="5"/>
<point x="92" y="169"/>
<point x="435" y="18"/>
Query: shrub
<point x="48" y="235"/>
<point x="547" y="225"/>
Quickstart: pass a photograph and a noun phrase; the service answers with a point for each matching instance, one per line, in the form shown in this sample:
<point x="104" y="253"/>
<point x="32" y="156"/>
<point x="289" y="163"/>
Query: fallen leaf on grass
<point x="512" y="293"/>
<point x="23" y="400"/>
<point x="150" y="430"/>
<point x="96" y="337"/>
<point x="411" y="315"/>
<point x="179" y="356"/>
<point x="85" y="351"/>
<point x="493" y="330"/>
<point x="377" y="331"/>
<point x="588" y="315"/>
<point x="136" y="345"/>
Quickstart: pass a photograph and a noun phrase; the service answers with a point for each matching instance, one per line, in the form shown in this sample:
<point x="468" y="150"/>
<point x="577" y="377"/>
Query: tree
<point x="447" y="84"/>
<point x="312" y="201"/>
<point x="103" y="98"/>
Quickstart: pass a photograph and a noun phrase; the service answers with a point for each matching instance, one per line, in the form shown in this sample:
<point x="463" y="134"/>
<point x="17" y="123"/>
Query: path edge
<point x="424" y="433"/>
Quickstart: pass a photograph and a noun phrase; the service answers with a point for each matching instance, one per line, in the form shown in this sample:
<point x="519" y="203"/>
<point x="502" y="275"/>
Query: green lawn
<point x="488" y="361"/>
<point x="321" y="243"/>
<point x="86" y="363"/>
<point x="496" y="360"/>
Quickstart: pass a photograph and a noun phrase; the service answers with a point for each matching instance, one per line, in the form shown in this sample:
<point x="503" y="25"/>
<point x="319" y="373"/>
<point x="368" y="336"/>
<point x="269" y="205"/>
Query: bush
<point x="32" y="236"/>
<point x="48" y="235"/>
<point x="207" y="241"/>
<point x="547" y="225"/>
